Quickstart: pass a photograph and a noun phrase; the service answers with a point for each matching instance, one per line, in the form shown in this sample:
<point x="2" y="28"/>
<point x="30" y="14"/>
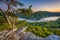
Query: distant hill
<point x="47" y="19"/>
<point x="38" y="15"/>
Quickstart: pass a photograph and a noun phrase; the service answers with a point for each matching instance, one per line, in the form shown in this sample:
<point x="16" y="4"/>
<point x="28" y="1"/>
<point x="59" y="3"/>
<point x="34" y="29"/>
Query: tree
<point x="9" y="13"/>
<point x="26" y="11"/>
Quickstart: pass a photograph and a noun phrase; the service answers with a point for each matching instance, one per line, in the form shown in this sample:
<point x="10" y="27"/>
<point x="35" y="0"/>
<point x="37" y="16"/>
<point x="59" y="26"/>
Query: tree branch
<point x="2" y="12"/>
<point x="3" y="1"/>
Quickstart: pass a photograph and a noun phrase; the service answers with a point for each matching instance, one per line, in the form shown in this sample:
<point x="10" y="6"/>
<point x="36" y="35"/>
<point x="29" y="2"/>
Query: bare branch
<point x="2" y="12"/>
<point x="3" y="2"/>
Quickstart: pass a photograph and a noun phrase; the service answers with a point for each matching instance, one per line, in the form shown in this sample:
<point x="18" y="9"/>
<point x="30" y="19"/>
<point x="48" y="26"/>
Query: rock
<point x="18" y="31"/>
<point x="19" y="34"/>
<point x="30" y="36"/>
<point x="53" y="37"/>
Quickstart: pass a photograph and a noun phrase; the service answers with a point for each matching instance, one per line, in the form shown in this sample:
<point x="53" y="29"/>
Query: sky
<point x="40" y="5"/>
<point x="43" y="5"/>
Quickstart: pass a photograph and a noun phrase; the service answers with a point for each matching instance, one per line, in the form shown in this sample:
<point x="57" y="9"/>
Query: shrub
<point x="39" y="31"/>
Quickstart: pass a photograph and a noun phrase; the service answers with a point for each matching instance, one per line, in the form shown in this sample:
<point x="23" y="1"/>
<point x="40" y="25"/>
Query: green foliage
<point x="2" y="19"/>
<point x="21" y="24"/>
<point x="25" y="11"/>
<point x="38" y="15"/>
<point x="50" y="24"/>
<point x="35" y="28"/>
<point x="4" y="26"/>
<point x="39" y="31"/>
<point x="56" y="31"/>
<point x="42" y="29"/>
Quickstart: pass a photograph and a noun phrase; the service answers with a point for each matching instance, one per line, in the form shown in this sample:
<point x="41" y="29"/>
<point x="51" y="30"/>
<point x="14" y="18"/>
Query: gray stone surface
<point x="21" y="35"/>
<point x="31" y="36"/>
<point x="53" y="37"/>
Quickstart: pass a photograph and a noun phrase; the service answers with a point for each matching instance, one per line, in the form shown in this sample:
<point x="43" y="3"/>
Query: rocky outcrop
<point x="31" y="36"/>
<point x="19" y="34"/>
<point x="53" y="37"/>
<point x="14" y="34"/>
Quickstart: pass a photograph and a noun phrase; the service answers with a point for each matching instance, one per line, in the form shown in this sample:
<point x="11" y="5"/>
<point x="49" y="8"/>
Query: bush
<point x="4" y="26"/>
<point x="39" y="31"/>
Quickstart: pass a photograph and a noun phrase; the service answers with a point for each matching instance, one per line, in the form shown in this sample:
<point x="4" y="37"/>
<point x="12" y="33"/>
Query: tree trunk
<point x="8" y="20"/>
<point x="13" y="24"/>
<point x="7" y="16"/>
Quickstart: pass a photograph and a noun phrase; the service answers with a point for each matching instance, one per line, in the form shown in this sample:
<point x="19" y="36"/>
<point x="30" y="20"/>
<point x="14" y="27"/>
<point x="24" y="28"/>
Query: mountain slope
<point x="42" y="20"/>
<point x="38" y="15"/>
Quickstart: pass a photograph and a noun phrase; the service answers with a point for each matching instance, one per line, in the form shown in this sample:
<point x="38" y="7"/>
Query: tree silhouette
<point x="27" y="11"/>
<point x="9" y="13"/>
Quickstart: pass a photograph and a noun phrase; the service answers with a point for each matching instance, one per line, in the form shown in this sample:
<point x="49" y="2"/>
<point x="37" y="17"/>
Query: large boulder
<point x="53" y="37"/>
<point x="30" y="36"/>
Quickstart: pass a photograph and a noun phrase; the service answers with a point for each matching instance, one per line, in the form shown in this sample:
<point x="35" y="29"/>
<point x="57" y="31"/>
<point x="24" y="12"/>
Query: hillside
<point x="38" y="15"/>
